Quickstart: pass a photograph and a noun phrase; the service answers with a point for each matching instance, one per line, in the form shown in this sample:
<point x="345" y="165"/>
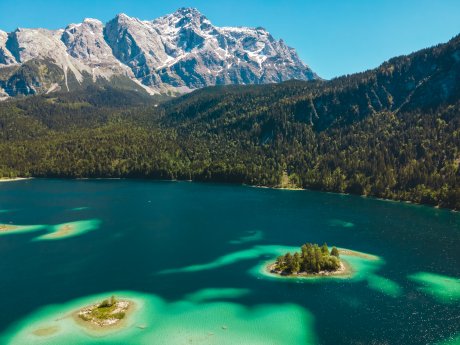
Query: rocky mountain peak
<point x="189" y="15"/>
<point x="92" y="22"/>
<point x="175" y="53"/>
<point x="121" y="17"/>
<point x="184" y="18"/>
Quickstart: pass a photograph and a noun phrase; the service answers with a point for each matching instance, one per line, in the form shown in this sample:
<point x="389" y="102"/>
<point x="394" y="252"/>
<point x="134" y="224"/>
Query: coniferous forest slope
<point x="391" y="132"/>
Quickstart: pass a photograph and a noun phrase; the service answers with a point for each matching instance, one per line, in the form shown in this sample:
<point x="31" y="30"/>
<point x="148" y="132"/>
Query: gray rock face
<point x="85" y="42"/>
<point x="41" y="44"/>
<point x="175" y="53"/>
<point x="6" y="57"/>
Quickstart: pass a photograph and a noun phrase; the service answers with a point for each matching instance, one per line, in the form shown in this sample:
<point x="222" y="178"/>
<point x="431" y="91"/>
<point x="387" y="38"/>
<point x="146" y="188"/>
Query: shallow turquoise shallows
<point x="192" y="258"/>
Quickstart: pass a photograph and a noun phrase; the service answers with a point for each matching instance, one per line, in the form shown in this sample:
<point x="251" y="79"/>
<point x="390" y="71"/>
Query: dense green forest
<point x="392" y="132"/>
<point x="311" y="259"/>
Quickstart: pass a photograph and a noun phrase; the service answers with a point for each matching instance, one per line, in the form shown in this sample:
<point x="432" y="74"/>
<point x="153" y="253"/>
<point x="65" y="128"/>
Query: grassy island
<point x="110" y="312"/>
<point x="312" y="259"/>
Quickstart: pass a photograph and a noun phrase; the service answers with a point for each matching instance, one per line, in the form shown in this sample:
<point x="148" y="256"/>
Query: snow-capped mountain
<point x="175" y="53"/>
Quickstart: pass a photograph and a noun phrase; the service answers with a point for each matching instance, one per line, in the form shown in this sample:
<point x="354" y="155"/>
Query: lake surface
<point x="189" y="253"/>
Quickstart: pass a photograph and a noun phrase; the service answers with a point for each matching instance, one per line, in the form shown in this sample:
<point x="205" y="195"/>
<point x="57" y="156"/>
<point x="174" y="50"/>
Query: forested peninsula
<point x="392" y="132"/>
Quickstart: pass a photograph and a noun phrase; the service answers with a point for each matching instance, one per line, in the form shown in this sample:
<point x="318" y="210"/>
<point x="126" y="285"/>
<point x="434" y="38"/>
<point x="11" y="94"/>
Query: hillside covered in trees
<point x="392" y="132"/>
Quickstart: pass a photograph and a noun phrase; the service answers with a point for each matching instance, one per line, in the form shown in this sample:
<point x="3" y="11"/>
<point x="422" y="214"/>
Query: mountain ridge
<point x="175" y="53"/>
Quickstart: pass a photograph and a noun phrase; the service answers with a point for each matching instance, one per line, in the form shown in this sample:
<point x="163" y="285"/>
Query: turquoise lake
<point x="191" y="257"/>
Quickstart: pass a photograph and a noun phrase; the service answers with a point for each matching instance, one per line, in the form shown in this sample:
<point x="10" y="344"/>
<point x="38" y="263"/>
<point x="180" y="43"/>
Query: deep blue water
<point x="147" y="227"/>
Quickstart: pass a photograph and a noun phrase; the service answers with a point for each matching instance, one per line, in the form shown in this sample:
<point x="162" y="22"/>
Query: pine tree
<point x="295" y="263"/>
<point x="288" y="262"/>
<point x="335" y="252"/>
<point x="279" y="264"/>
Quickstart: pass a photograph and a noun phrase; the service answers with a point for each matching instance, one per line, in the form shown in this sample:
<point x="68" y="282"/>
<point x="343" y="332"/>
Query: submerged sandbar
<point x="46" y="331"/>
<point x="349" y="252"/>
<point x="70" y="229"/>
<point x="63" y="230"/>
<point x="7" y="227"/>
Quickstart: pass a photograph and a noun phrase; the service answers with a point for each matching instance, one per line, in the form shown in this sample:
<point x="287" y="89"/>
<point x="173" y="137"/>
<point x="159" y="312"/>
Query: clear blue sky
<point x="334" y="37"/>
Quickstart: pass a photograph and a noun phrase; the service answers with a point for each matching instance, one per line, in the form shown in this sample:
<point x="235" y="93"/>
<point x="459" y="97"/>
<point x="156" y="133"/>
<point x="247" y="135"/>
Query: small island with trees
<point x="310" y="261"/>
<point x="109" y="313"/>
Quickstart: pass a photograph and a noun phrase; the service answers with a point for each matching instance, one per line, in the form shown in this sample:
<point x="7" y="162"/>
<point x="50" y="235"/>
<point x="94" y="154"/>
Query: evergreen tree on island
<point x="311" y="259"/>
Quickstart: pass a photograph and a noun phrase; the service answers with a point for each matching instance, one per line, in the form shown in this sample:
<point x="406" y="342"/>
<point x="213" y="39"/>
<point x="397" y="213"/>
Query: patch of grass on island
<point x="311" y="260"/>
<point x="109" y="312"/>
